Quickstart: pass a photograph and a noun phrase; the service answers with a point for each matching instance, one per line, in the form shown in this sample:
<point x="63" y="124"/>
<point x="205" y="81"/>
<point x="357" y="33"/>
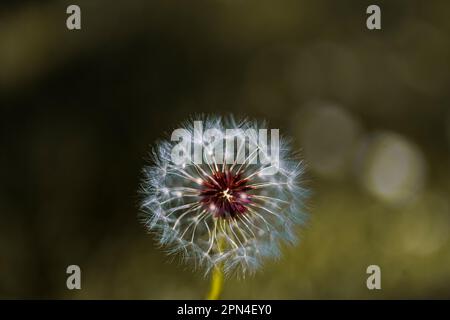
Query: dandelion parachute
<point x="228" y="213"/>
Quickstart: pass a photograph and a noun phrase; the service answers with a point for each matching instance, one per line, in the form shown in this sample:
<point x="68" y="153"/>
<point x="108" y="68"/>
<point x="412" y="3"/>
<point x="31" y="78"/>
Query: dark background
<point x="369" y="111"/>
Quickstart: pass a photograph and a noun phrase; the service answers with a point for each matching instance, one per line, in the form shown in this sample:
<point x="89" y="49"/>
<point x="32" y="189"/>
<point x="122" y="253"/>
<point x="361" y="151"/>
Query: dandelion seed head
<point x="217" y="212"/>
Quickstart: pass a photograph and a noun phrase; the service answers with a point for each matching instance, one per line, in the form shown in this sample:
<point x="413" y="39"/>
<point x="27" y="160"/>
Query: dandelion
<point x="228" y="208"/>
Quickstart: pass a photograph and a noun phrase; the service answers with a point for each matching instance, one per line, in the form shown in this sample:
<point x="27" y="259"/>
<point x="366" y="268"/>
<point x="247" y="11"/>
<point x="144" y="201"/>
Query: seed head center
<point x="225" y="194"/>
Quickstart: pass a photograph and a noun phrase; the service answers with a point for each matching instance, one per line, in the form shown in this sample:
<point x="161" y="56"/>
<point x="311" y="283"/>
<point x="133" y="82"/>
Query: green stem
<point x="216" y="284"/>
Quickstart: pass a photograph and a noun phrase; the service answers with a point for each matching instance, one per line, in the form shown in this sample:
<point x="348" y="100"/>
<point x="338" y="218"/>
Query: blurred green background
<point x="369" y="111"/>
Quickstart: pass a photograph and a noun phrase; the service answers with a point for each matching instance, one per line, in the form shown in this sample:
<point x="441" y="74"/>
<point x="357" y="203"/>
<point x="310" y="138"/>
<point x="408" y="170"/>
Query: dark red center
<point x="225" y="194"/>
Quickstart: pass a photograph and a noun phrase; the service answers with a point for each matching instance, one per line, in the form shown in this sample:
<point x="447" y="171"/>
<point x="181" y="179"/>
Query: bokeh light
<point x="328" y="135"/>
<point x="393" y="168"/>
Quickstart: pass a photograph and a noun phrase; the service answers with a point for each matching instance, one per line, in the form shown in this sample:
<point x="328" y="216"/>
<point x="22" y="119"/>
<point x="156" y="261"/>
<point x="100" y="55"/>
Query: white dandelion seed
<point x="218" y="212"/>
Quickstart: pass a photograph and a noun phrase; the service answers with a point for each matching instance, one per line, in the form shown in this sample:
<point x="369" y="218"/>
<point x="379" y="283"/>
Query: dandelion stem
<point x="216" y="283"/>
<point x="217" y="274"/>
